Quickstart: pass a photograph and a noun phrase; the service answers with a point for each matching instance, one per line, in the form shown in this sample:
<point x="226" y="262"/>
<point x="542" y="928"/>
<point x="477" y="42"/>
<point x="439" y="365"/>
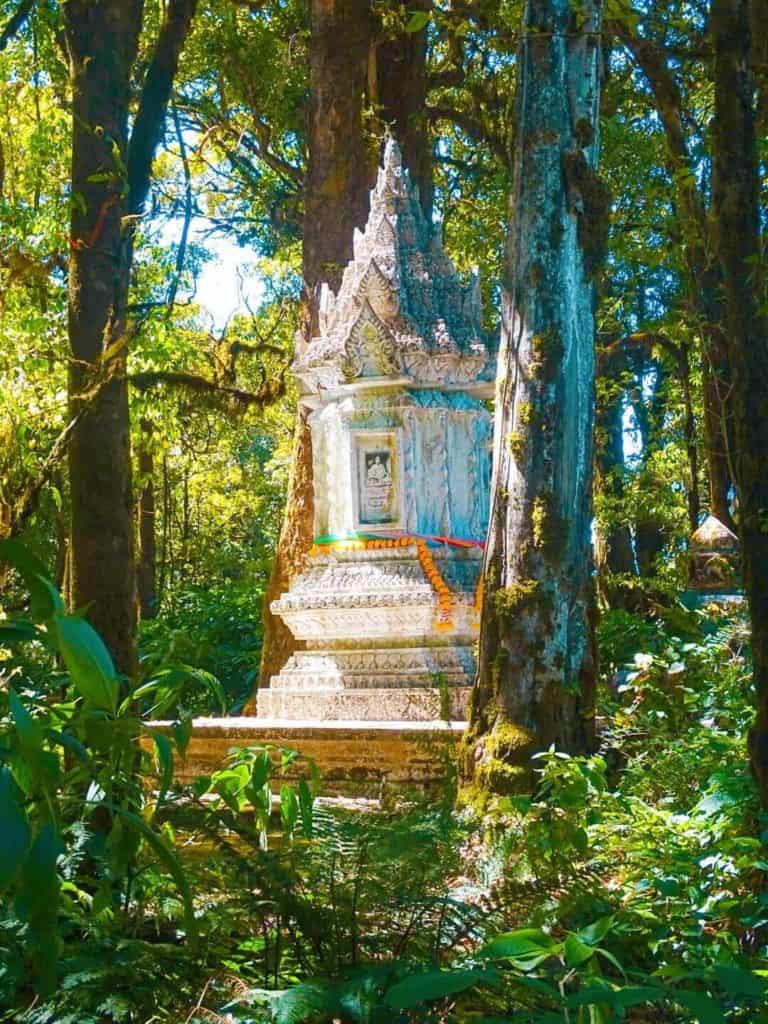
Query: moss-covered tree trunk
<point x="736" y="210"/>
<point x="110" y="181"/>
<point x="336" y="202"/>
<point x="537" y="660"/>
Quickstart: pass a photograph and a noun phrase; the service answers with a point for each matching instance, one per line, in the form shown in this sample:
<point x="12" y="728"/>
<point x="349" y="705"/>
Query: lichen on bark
<point x="537" y="630"/>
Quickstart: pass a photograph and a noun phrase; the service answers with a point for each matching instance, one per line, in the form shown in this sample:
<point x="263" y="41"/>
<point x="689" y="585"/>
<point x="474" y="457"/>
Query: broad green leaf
<point x="14" y="829"/>
<point x="619" y="998"/>
<point x="164" y="760"/>
<point x="261" y="771"/>
<point x="306" y="808"/>
<point x="28" y="730"/>
<point x="37" y="904"/>
<point x="417" y="21"/>
<point x="576" y="952"/>
<point x="421" y="988"/>
<point x="593" y="933"/>
<point x="706" y="1009"/>
<point x="88" y="661"/>
<point x="524" y="944"/>
<point x="737" y="981"/>
<point x="289" y="808"/>
<point x="182" y="734"/>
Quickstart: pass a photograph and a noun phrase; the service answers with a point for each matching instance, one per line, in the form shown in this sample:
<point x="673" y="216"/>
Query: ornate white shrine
<point x="397" y="381"/>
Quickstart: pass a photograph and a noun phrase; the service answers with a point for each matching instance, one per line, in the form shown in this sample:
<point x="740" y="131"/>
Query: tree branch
<point x="15" y="22"/>
<point x="26" y="503"/>
<point x="473" y="126"/>
<point x="269" y="391"/>
<point x="148" y="126"/>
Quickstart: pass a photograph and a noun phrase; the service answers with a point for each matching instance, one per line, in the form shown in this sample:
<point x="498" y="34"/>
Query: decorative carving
<point x="427" y="323"/>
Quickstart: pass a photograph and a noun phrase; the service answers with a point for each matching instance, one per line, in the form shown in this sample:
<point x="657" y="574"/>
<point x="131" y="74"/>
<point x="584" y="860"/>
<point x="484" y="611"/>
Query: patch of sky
<point x="228" y="281"/>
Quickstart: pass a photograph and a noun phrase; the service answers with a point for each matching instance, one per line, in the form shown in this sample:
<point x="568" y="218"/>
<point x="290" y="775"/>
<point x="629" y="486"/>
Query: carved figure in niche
<point x="377" y="468"/>
<point x="378" y="494"/>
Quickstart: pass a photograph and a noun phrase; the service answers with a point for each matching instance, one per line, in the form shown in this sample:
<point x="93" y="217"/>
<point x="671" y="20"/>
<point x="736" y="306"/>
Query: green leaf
<point x="706" y="1009"/>
<point x="593" y="933"/>
<point x="164" y="760"/>
<point x="420" y="988"/>
<point x="37" y="903"/>
<point x="14" y="828"/>
<point x="417" y="21"/>
<point x="88" y="661"/>
<point x="737" y="981"/>
<point x="45" y="600"/>
<point x="289" y="808"/>
<point x="14" y="631"/>
<point x="261" y="771"/>
<point x="621" y="998"/>
<point x="576" y="951"/>
<point x="182" y="734"/>
<point x="607" y="955"/>
<point x="528" y="947"/>
<point x="306" y="808"/>
<point x="29" y="732"/>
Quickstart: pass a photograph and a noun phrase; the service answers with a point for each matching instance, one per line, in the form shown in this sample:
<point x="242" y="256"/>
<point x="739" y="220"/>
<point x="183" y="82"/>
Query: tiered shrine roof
<point x="401" y="310"/>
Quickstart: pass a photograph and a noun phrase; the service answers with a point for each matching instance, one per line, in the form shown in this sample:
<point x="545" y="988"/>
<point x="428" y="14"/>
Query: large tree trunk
<point x="336" y="202"/>
<point x="102" y="40"/>
<point x="537" y="654"/>
<point x="737" y="219"/>
<point x="397" y="85"/>
<point x="110" y="181"/>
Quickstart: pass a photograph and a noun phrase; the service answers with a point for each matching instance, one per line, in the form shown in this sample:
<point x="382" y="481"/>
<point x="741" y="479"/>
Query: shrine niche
<point x="398" y="381"/>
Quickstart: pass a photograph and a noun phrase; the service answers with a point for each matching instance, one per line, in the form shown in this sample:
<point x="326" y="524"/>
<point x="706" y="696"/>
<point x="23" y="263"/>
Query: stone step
<point x="368" y="705"/>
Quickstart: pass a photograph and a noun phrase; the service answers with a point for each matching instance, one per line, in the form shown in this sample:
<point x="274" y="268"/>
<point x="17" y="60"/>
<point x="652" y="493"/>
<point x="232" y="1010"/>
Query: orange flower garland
<point x="444" y="621"/>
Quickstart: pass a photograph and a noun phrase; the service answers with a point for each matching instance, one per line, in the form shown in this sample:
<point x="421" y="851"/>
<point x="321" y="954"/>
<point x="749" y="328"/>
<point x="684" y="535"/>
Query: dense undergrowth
<point x="630" y="886"/>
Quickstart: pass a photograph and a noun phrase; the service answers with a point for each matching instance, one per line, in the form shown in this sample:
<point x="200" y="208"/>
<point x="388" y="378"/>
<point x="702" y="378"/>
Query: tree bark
<point x="102" y="40"/>
<point x="397" y="83"/>
<point x="614" y="556"/>
<point x="110" y="181"/>
<point x="336" y="202"/>
<point x="537" y="654"/>
<point x="737" y="218"/>
<point x="147" y="566"/>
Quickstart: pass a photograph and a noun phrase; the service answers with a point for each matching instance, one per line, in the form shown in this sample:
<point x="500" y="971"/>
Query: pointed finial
<point x="393" y="158"/>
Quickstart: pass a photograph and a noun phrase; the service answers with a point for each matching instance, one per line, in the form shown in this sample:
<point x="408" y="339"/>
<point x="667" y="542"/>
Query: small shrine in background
<point x="713" y="551"/>
<point x="398" y="380"/>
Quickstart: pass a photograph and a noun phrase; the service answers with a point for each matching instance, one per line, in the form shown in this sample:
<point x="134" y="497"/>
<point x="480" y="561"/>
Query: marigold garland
<point x="444" y="621"/>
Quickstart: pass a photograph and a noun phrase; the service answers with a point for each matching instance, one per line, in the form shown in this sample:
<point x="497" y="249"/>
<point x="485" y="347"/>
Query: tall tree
<point x="537" y="663"/>
<point x="736" y="190"/>
<point x="705" y="283"/>
<point x="335" y="203"/>
<point x="110" y="181"/>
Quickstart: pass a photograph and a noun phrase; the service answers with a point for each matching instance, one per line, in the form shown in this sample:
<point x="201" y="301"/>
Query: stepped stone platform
<point x="355" y="758"/>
